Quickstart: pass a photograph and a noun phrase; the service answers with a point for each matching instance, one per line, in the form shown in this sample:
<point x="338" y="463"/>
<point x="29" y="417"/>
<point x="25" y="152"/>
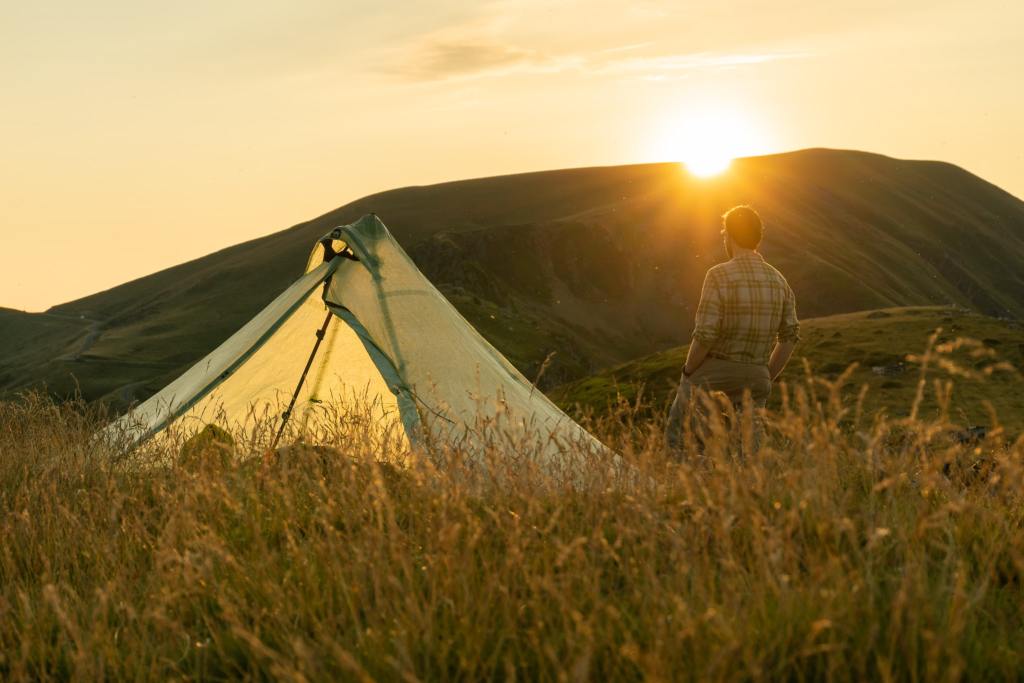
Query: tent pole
<point x="309" y="363"/>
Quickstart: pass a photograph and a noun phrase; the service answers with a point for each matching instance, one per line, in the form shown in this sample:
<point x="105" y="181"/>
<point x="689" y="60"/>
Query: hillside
<point x="598" y="265"/>
<point x="878" y="341"/>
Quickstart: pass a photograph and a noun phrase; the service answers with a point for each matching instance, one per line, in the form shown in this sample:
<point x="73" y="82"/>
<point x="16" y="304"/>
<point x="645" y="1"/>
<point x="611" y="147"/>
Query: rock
<point x="971" y="435"/>
<point x="889" y="370"/>
<point x="211" y="446"/>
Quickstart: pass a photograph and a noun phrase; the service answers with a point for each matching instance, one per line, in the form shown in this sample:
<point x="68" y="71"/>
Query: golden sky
<point x="139" y="134"/>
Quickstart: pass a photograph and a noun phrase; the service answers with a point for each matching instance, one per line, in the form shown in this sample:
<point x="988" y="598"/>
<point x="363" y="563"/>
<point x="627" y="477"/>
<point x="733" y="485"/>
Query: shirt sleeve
<point x="789" y="328"/>
<point x="709" y="311"/>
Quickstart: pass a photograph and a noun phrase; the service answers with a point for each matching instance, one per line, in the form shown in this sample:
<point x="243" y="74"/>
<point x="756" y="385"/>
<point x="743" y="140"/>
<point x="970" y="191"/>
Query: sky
<point x="139" y="134"/>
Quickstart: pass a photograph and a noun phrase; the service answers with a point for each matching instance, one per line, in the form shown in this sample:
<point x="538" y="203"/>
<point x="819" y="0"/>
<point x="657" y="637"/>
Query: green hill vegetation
<point x="598" y="265"/>
<point x="878" y="342"/>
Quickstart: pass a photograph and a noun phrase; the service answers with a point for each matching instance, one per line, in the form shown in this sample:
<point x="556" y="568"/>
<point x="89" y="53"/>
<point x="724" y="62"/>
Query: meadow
<point x="851" y="545"/>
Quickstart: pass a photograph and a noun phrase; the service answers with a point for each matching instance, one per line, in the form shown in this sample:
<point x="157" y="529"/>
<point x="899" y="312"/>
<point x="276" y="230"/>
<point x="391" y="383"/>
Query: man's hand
<point x="694" y="357"/>
<point x="779" y="358"/>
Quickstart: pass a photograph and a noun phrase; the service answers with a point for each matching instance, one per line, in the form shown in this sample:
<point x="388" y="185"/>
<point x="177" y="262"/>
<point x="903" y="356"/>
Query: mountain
<point x="595" y="265"/>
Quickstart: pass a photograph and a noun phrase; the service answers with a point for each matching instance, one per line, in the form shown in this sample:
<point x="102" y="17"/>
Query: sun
<point x="706" y="141"/>
<point x="707" y="162"/>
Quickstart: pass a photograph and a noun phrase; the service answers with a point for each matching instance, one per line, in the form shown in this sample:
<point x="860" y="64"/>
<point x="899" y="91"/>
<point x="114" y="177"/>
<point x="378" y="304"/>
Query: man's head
<point x="742" y="226"/>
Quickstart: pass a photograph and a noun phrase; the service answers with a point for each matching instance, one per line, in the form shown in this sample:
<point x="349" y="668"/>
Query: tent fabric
<point x="461" y="384"/>
<point x="395" y="350"/>
<point x="251" y="401"/>
<point x="181" y="395"/>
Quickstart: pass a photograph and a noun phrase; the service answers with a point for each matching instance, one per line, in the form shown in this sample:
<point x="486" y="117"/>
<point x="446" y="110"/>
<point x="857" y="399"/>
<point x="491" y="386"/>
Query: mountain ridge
<point x="597" y="264"/>
<point x="350" y="208"/>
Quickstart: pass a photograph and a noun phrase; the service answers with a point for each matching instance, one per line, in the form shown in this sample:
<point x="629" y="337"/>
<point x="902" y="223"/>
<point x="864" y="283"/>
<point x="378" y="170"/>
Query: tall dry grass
<point x="848" y="547"/>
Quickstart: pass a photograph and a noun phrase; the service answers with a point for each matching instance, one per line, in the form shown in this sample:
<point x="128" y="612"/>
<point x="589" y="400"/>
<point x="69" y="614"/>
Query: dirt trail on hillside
<point x="93" y="332"/>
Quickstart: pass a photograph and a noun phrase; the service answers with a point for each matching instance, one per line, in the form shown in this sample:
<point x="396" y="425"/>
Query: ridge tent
<point x="361" y="332"/>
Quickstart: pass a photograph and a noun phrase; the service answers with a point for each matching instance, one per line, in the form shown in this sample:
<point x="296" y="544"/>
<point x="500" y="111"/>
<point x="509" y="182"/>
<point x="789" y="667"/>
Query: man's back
<point x="745" y="328"/>
<point x="746" y="306"/>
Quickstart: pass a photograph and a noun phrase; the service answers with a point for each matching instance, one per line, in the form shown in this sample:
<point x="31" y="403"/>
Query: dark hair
<point x="744" y="226"/>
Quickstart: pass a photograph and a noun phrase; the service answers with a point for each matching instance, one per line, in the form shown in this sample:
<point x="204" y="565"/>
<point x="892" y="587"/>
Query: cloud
<point x="655" y="66"/>
<point x="439" y="60"/>
<point x="495" y="41"/>
<point x="632" y="47"/>
<point x="442" y="60"/>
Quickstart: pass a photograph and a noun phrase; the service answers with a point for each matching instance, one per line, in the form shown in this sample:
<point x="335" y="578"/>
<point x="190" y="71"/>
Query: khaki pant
<point x="716" y="374"/>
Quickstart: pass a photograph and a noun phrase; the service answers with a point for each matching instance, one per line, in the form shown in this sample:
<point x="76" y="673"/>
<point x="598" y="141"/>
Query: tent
<point x="362" y="331"/>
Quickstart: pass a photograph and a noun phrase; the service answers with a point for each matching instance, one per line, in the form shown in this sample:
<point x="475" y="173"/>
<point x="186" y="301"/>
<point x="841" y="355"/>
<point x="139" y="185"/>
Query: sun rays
<point x="706" y="140"/>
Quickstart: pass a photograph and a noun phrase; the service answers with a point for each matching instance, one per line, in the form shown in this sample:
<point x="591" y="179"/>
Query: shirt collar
<point x="748" y="255"/>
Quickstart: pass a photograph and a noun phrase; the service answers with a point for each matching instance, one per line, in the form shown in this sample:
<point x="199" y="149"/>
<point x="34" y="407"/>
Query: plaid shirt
<point x="744" y="307"/>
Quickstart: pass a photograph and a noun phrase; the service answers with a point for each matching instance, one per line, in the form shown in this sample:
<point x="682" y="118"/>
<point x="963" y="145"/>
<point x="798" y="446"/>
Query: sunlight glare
<point x="706" y="142"/>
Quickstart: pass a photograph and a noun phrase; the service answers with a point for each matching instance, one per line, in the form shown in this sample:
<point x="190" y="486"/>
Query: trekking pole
<point x="329" y="254"/>
<point x="309" y="363"/>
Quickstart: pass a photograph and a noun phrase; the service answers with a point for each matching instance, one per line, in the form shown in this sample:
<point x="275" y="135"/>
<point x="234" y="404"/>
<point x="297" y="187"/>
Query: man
<point x="746" y="326"/>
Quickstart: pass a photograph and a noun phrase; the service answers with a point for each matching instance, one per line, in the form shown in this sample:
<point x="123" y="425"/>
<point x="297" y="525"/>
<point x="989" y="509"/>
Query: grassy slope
<point x="874" y="338"/>
<point x="29" y="340"/>
<point x="600" y="265"/>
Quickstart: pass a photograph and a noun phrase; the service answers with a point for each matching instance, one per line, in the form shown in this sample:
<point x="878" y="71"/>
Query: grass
<point x="848" y="547"/>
